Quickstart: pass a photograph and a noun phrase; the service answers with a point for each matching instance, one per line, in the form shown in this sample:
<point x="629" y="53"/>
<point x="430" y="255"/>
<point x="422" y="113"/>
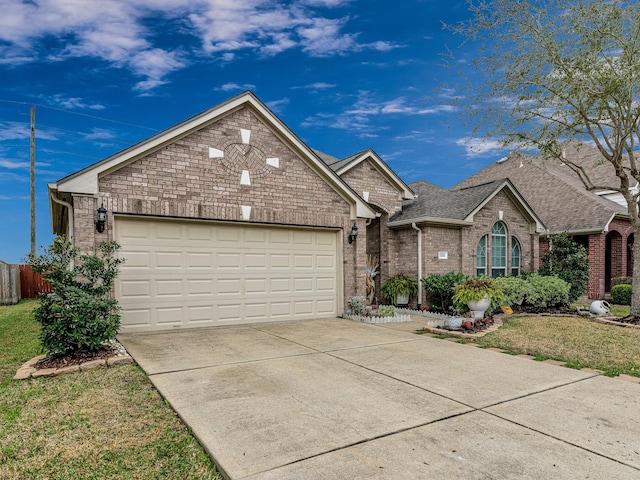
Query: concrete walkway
<point x="336" y="399"/>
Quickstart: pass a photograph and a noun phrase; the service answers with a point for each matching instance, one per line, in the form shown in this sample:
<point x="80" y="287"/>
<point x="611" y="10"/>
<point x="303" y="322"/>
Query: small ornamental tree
<point x="81" y="314"/>
<point x="569" y="261"/>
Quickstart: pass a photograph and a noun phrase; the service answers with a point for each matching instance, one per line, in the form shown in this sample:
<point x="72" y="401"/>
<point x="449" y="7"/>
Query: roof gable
<point x="86" y="181"/>
<point x="438" y="205"/>
<point x="346" y="164"/>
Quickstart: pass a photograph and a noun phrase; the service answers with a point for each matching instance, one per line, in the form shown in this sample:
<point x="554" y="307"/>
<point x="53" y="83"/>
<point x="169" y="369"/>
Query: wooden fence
<point x="9" y="284"/>
<point x="32" y="283"/>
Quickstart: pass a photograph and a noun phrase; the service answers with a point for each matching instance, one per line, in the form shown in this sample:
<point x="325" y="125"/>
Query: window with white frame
<point x="481" y="256"/>
<point x="515" y="257"/>
<point x="498" y="250"/>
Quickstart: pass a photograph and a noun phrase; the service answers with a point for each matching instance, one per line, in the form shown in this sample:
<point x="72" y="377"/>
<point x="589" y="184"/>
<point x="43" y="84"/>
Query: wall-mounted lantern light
<point x="353" y="234"/>
<point x="102" y="218"/>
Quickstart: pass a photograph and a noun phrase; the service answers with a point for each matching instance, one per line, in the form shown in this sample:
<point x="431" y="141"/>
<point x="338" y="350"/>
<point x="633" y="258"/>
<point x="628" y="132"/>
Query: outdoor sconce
<point x="102" y="218"/>
<point x="353" y="234"/>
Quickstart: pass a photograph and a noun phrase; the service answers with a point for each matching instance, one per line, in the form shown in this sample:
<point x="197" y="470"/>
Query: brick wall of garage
<point x="180" y="180"/>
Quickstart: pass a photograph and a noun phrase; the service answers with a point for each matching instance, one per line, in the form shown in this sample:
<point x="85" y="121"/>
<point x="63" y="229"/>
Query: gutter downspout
<point x="70" y="208"/>
<point x="413" y="225"/>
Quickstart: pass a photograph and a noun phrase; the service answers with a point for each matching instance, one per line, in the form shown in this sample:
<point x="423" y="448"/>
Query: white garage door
<point x="194" y="274"/>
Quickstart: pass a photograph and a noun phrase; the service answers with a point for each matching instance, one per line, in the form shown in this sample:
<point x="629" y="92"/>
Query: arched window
<point x="498" y="250"/>
<point x="481" y="256"/>
<point x="515" y="257"/>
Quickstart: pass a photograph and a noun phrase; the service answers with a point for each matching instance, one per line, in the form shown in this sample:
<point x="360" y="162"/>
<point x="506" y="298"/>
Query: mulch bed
<point x="631" y="320"/>
<point x="60" y="361"/>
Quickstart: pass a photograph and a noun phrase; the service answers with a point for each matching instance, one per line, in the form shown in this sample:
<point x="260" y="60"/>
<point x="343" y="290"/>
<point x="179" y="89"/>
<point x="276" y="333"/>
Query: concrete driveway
<point x="336" y="399"/>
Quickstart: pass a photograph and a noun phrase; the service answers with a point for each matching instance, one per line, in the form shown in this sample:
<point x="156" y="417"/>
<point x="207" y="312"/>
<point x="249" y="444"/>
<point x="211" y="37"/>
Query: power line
<point x="70" y="112"/>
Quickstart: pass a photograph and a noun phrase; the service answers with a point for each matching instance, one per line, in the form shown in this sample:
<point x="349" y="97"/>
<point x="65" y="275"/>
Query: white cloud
<point x="119" y="32"/>
<point x="22" y="131"/>
<point x="359" y="116"/>
<point x="476" y="147"/>
<point x="316" y="86"/>
<point x="231" y="86"/>
<point x="276" y="105"/>
<point x="13" y="165"/>
<point x="73" y="103"/>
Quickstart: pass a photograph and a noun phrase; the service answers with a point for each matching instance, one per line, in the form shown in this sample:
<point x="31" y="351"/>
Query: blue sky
<point x="344" y="75"/>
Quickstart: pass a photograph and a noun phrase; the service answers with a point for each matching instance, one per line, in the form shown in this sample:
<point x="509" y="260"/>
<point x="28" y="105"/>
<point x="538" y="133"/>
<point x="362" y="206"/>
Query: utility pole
<point x="32" y="158"/>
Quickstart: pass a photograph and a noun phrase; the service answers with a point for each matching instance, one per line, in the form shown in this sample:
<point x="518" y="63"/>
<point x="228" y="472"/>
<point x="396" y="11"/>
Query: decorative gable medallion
<point x="244" y="158"/>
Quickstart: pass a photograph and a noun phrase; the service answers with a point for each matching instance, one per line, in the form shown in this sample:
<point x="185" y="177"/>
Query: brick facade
<point x="385" y="199"/>
<point x="459" y="244"/>
<point x="181" y="181"/>
<point x="364" y="177"/>
<point x="610" y="255"/>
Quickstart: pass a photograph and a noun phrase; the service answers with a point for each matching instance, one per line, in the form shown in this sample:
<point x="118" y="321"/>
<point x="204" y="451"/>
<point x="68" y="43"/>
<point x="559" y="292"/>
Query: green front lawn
<point x="100" y="424"/>
<point x="578" y="341"/>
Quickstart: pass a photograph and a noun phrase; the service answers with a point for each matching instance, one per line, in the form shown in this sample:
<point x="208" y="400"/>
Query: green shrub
<point x="80" y="314"/>
<point x="475" y="289"/>
<point x="621" y="294"/>
<point x="399" y="285"/>
<point x="440" y="288"/>
<point x="547" y="291"/>
<point x="621" y="281"/>
<point x="386" y="311"/>
<point x="357" y="306"/>
<point x="515" y="289"/>
<point x="569" y="261"/>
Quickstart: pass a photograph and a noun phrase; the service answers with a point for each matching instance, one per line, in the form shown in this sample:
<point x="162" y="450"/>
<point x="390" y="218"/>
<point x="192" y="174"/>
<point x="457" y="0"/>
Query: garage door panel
<point x="169" y="288"/>
<point x="169" y="315"/>
<point x="168" y="260"/>
<point x="256" y="286"/>
<point x="280" y="310"/>
<point x="138" y="317"/>
<point x="230" y="261"/>
<point x="199" y="260"/>
<point x="256" y="311"/>
<point x="303" y="308"/>
<point x="303" y="261"/>
<point x="326" y="284"/>
<point x="325" y="307"/>
<point x="303" y="285"/>
<point x="191" y="274"/>
<point x="255" y="260"/>
<point x="231" y="286"/>
<point x="280" y="285"/>
<point x="326" y="262"/>
<point x="229" y="313"/>
<point x="135" y="289"/>
<point x="227" y="235"/>
<point x="303" y="238"/>
<point x="200" y="314"/>
<point x="135" y="260"/>
<point x="280" y="260"/>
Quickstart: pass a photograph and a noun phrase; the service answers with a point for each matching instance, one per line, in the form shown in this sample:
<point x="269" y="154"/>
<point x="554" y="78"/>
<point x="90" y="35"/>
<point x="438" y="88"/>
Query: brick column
<point x="597" y="252"/>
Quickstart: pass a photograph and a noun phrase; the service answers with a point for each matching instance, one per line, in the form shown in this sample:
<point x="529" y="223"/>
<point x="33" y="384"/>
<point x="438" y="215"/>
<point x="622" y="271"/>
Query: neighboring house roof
<point x="555" y="192"/>
<point x="85" y="181"/>
<point x="346" y="164"/>
<point x="437" y="205"/>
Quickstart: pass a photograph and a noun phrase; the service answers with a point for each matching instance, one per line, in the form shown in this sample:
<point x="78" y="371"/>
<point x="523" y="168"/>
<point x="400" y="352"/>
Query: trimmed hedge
<point x="621" y="280"/>
<point x="621" y="294"/>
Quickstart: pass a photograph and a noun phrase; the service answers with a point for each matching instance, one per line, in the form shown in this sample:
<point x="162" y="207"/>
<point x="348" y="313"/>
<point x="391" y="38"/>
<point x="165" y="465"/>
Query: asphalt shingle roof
<point x="555" y="192"/>
<point x="437" y="202"/>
